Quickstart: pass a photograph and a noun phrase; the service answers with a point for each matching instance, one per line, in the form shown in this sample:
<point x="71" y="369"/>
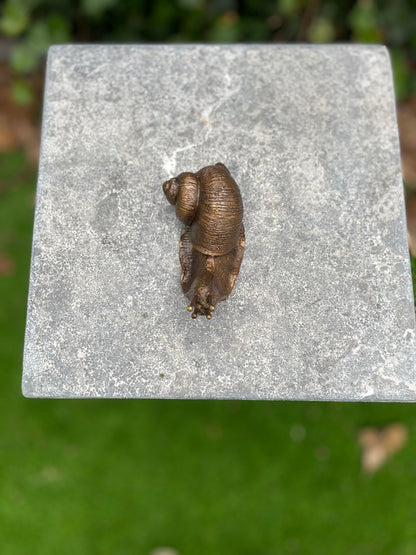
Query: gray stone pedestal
<point x="323" y="306"/>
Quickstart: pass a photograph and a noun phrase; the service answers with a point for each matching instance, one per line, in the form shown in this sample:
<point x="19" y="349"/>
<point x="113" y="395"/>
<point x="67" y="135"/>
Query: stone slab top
<point x="323" y="305"/>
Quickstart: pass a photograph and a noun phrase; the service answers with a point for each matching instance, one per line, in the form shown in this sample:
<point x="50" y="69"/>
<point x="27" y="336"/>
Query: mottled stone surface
<point x="323" y="306"/>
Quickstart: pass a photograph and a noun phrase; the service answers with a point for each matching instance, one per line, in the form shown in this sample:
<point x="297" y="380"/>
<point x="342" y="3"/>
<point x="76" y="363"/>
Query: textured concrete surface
<point x="323" y="306"/>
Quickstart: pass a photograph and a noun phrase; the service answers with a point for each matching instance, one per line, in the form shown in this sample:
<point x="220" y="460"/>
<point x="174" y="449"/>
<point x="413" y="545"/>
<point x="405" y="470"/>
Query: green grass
<point x="413" y="264"/>
<point x="214" y="478"/>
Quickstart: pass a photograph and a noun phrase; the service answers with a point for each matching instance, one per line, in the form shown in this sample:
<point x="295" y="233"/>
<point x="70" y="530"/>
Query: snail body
<point x="211" y="247"/>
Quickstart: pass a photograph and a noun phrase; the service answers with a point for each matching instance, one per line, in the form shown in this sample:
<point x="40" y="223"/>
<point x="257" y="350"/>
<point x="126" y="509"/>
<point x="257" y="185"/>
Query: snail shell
<point x="212" y="242"/>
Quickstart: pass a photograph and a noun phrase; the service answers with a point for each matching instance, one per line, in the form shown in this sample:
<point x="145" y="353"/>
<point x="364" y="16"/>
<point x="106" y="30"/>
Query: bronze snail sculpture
<point x="211" y="248"/>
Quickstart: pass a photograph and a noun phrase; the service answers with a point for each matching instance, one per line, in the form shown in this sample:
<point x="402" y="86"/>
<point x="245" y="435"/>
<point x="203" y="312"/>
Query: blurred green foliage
<point x="413" y="265"/>
<point x="115" y="478"/>
<point x="40" y="23"/>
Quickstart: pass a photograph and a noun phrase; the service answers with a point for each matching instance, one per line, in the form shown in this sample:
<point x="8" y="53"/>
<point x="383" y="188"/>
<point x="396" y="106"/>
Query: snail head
<point x="201" y="303"/>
